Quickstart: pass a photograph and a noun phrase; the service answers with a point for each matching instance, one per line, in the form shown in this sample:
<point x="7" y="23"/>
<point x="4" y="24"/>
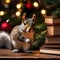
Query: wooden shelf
<point x="4" y="53"/>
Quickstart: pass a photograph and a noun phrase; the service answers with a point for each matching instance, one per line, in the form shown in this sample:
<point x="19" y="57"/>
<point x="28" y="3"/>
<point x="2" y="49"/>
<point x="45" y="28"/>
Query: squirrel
<point x="20" y="35"/>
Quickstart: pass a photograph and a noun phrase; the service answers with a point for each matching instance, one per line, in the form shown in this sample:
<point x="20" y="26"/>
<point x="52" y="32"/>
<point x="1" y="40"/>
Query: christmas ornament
<point x="5" y="26"/>
<point x="28" y="5"/>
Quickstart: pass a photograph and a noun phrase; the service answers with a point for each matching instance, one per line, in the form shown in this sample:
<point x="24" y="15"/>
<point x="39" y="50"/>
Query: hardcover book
<point x="53" y="30"/>
<point x="49" y="20"/>
<point x="50" y="51"/>
<point x="53" y="40"/>
<point x="55" y="46"/>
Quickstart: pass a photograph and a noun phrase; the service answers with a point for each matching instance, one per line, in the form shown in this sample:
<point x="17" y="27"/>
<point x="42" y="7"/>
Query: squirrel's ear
<point x="34" y="17"/>
<point x="24" y="16"/>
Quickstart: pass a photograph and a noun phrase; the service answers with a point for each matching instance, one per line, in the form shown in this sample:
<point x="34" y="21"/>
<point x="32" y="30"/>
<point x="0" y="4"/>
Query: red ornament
<point x="5" y="26"/>
<point x="28" y="5"/>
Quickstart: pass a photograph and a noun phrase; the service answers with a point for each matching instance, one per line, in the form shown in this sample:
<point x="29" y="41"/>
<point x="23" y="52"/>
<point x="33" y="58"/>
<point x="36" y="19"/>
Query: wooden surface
<point x="4" y="53"/>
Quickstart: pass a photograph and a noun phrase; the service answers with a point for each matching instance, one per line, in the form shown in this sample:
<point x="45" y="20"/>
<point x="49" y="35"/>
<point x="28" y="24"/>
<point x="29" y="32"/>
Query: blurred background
<point x="13" y="9"/>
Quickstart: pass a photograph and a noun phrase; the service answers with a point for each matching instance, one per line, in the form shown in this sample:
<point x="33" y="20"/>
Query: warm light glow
<point x="24" y="0"/>
<point x="1" y="13"/>
<point x="6" y="5"/>
<point x="35" y="4"/>
<point x="20" y="10"/>
<point x="18" y="13"/>
<point x="43" y="12"/>
<point x="7" y="1"/>
<point x="18" y="6"/>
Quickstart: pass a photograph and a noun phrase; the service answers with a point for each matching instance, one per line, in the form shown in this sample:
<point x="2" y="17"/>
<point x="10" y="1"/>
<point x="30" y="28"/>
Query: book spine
<point x="52" y="21"/>
<point x="48" y="51"/>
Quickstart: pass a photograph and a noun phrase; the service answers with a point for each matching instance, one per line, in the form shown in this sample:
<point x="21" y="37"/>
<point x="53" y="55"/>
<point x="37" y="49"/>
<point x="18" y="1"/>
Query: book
<point x="55" y="46"/>
<point x="49" y="20"/>
<point x="53" y="40"/>
<point x="45" y="50"/>
<point x="50" y="51"/>
<point x="53" y="30"/>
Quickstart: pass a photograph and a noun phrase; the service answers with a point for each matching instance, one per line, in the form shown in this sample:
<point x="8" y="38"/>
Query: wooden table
<point x="4" y="53"/>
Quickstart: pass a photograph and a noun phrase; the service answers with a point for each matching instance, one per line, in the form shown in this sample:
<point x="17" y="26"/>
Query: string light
<point x="18" y="6"/>
<point x="36" y="4"/>
<point x="2" y="13"/>
<point x="7" y="1"/>
<point x="43" y="11"/>
<point x="18" y="13"/>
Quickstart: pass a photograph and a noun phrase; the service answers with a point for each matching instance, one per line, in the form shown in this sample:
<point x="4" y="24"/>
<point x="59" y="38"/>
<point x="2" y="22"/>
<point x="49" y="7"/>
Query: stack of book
<point x="52" y="43"/>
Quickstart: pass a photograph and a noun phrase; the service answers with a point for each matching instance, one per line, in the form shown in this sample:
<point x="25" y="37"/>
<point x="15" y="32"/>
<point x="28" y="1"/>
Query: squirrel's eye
<point x="24" y="23"/>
